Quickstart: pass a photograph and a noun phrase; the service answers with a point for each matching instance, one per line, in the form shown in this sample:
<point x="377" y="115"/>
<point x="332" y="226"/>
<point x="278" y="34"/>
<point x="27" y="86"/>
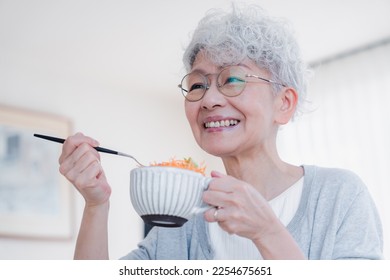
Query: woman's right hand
<point x="80" y="164"/>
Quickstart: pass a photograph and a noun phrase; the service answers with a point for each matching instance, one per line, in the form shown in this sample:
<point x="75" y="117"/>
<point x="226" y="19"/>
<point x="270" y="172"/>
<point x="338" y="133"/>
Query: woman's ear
<point x="286" y="103"/>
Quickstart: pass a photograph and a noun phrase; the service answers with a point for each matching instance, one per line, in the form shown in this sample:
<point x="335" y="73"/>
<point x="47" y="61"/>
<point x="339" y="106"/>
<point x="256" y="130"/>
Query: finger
<point x="222" y="182"/>
<point x="81" y="157"/>
<point x="88" y="157"/>
<point x="216" y="174"/>
<point x="72" y="142"/>
<point x="214" y="215"/>
<point x="216" y="198"/>
<point x="79" y="138"/>
<point x="89" y="176"/>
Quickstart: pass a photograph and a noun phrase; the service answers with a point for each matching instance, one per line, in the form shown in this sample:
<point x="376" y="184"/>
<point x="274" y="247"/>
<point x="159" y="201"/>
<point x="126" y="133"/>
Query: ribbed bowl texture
<point x="171" y="191"/>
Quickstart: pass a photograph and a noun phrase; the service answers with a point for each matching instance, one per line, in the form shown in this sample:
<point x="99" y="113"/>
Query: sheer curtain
<point x="348" y="125"/>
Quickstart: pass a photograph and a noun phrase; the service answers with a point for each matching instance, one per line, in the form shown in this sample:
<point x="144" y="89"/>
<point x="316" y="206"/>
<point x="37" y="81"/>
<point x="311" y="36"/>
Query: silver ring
<point x="216" y="215"/>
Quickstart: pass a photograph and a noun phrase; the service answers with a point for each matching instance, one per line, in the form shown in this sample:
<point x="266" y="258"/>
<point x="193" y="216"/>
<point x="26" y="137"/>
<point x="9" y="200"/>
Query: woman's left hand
<point x="240" y="208"/>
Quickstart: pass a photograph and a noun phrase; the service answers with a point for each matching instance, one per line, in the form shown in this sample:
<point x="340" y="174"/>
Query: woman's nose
<point x="212" y="97"/>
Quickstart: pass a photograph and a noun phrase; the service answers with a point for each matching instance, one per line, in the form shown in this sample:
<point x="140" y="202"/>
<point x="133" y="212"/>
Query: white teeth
<point x="223" y="123"/>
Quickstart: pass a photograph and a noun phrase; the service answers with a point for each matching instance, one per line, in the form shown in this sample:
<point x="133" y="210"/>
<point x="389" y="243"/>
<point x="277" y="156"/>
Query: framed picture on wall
<point x="35" y="199"/>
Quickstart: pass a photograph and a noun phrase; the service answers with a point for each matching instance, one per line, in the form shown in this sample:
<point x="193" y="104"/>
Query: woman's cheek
<point x="192" y="114"/>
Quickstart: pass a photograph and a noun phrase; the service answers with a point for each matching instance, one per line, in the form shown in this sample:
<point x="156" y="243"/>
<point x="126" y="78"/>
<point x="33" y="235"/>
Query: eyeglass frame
<point x="207" y="85"/>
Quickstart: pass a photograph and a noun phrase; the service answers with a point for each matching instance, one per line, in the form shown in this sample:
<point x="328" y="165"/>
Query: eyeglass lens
<point x="230" y="82"/>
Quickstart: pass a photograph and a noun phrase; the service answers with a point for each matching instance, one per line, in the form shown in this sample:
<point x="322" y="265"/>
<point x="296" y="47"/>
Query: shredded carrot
<point x="186" y="163"/>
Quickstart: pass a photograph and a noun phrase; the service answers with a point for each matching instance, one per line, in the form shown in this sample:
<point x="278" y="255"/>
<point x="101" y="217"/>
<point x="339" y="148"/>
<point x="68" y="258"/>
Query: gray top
<point x="336" y="219"/>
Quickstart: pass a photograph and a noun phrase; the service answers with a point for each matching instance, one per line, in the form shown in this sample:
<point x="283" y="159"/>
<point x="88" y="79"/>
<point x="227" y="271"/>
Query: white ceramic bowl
<point x="167" y="196"/>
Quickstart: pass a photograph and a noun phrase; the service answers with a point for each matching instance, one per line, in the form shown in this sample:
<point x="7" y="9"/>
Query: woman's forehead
<point x="204" y="64"/>
<point x="216" y="58"/>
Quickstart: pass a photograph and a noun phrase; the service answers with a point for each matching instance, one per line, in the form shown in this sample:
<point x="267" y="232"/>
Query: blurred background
<point x="111" y="68"/>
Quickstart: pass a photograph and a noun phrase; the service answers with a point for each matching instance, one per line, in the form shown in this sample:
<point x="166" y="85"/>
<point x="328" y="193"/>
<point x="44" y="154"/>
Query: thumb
<point x="80" y="138"/>
<point x="216" y="174"/>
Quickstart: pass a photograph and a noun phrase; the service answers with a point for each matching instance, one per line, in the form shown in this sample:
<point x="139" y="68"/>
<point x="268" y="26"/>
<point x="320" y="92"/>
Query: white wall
<point x="348" y="124"/>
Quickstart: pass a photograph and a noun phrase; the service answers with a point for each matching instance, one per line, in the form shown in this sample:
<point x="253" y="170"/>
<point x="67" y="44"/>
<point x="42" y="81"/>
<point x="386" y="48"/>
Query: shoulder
<point x="334" y="180"/>
<point x="333" y="188"/>
<point x="337" y="217"/>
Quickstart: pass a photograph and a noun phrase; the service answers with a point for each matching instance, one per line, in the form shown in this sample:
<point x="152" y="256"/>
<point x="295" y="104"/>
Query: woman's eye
<point x="233" y="79"/>
<point x="197" y="86"/>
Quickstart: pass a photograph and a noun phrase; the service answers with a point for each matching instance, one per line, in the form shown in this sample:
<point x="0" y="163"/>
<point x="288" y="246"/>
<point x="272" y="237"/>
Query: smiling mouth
<point x="221" y="123"/>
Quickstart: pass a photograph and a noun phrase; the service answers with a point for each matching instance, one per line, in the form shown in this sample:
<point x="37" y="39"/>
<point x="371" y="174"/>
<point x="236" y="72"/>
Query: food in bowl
<point x="167" y="194"/>
<point x="186" y="163"/>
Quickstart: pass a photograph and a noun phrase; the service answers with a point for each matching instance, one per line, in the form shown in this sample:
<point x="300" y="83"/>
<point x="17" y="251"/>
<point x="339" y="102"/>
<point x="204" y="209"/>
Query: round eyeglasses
<point x="231" y="81"/>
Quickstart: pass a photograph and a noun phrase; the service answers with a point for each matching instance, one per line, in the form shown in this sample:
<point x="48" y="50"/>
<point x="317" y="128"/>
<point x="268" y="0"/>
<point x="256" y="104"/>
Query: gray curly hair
<point x="228" y="38"/>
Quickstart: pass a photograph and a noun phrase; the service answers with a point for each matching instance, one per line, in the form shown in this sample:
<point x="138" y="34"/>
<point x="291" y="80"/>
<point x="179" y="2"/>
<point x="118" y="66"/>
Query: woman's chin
<point x="217" y="151"/>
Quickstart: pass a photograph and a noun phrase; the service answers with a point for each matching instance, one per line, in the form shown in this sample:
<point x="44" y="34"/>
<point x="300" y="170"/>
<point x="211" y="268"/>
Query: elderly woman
<point x="245" y="79"/>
